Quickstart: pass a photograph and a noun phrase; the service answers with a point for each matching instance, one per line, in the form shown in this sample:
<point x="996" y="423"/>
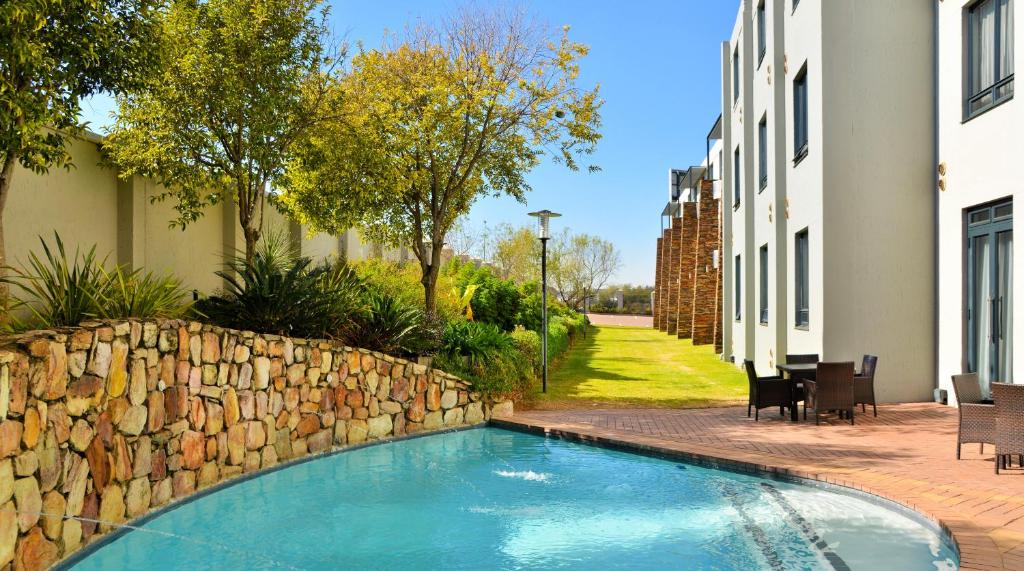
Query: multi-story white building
<point x="980" y="145"/>
<point x="829" y="186"/>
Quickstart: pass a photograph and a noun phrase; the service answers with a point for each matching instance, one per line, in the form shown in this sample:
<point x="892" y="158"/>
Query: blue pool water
<point x="494" y="499"/>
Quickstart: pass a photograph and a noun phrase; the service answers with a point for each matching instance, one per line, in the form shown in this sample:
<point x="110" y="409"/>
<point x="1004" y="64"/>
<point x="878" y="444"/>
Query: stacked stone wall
<point x="101" y="424"/>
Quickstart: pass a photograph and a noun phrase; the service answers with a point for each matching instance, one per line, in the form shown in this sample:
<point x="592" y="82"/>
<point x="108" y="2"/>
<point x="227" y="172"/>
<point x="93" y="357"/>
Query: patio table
<point x="796" y="373"/>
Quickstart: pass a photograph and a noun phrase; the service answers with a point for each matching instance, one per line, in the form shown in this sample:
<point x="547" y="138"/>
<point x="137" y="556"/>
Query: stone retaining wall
<point x="102" y="423"/>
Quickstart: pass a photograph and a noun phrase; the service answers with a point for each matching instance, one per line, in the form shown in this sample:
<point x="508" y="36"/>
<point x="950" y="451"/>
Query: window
<point x="762" y="41"/>
<point x="800" y="115"/>
<point x="764" y="284"/>
<point x="736" y="74"/>
<point x="795" y="4"/>
<point x="989" y="55"/>
<point x="738" y="285"/>
<point x="802" y="279"/>
<point x="762" y="152"/>
<point x="736" y="178"/>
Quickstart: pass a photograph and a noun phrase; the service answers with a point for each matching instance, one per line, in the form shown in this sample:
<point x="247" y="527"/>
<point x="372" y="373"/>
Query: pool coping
<point x="129" y="525"/>
<point x="973" y="548"/>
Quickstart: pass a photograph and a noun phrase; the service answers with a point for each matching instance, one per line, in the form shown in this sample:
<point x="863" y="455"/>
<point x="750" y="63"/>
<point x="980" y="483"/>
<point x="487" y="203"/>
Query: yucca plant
<point x="56" y="291"/>
<point x="131" y="293"/>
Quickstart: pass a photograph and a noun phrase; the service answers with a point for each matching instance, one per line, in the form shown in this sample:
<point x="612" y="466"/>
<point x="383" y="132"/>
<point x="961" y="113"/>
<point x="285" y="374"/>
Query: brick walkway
<point x="621" y="320"/>
<point x="907" y="454"/>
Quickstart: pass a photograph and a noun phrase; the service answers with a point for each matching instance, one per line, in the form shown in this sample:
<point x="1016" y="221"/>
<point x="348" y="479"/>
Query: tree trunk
<point x="252" y="236"/>
<point x="5" y="189"/>
<point x="431" y="270"/>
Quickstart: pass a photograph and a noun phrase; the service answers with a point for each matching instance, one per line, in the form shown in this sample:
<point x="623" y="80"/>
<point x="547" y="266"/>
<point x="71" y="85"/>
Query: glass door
<point x="990" y="293"/>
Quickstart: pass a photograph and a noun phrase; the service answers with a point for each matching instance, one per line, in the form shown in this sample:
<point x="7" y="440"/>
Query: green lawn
<point x="639" y="367"/>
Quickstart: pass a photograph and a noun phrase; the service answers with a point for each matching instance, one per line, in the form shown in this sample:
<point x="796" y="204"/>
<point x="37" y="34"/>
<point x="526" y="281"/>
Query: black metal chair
<point x="864" y="384"/>
<point x="765" y="391"/>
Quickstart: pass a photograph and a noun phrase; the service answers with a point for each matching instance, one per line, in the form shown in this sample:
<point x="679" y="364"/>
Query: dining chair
<point x="864" y="384"/>
<point x="1009" y="429"/>
<point x="831" y="389"/>
<point x="977" y="419"/>
<point x="765" y="391"/>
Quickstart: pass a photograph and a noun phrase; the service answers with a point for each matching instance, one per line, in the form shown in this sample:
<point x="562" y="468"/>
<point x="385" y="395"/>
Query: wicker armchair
<point x="864" y="384"/>
<point x="765" y="391"/>
<point x="832" y="389"/>
<point x="977" y="420"/>
<point x="1009" y="430"/>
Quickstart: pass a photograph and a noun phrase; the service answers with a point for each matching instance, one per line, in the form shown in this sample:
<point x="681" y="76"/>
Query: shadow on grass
<point x="589" y="361"/>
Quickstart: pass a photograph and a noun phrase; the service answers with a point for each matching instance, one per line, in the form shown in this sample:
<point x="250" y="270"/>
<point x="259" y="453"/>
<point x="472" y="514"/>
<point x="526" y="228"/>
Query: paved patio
<point x="907" y="454"/>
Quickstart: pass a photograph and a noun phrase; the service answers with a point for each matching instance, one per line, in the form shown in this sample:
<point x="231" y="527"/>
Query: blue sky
<point x="658" y="66"/>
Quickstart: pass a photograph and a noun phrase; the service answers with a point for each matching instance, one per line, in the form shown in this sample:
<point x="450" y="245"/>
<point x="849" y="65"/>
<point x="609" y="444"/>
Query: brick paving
<point x="621" y="320"/>
<point x="907" y="454"/>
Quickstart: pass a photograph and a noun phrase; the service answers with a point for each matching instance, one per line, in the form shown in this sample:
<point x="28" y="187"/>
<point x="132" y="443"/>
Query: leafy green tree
<point x="438" y="119"/>
<point x="239" y="82"/>
<point x="517" y="253"/>
<point x="54" y="53"/>
<point x="580" y="265"/>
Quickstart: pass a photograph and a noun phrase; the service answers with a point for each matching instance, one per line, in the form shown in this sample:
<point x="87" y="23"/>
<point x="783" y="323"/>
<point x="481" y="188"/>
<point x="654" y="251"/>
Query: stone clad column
<point x="707" y="281"/>
<point x="657" y="287"/>
<point x="663" y="286"/>
<point x="688" y="257"/>
<point x="674" y="254"/>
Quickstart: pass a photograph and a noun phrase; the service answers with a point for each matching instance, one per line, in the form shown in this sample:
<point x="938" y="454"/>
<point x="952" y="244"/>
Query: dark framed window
<point x="801" y="280"/>
<point x="764" y="284"/>
<point x="736" y="186"/>
<point x="989" y="55"/>
<point x="762" y="152"/>
<point x="800" y="115"/>
<point x="736" y="74"/>
<point x="738" y="286"/>
<point x="762" y="41"/>
<point x="795" y="4"/>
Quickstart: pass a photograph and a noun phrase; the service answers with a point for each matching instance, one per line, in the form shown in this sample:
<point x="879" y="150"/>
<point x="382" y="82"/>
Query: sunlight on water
<point x="494" y="499"/>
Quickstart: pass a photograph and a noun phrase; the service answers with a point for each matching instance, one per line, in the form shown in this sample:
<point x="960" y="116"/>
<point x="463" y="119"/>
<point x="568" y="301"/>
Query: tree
<point x="463" y="239"/>
<point x="439" y="119"/>
<point x="53" y="54"/>
<point x="517" y="253"/>
<point x="239" y="82"/>
<point x="580" y="265"/>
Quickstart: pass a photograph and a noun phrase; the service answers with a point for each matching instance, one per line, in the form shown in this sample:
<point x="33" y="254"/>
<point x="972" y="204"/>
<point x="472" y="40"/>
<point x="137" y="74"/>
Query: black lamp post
<point x="544" y="233"/>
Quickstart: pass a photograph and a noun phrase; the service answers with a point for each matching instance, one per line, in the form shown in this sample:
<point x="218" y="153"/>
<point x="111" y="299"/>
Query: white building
<point x="980" y="140"/>
<point x="829" y="186"/>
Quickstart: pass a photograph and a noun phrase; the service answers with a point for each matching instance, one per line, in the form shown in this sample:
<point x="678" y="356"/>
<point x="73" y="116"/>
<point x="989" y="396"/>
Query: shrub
<point x="278" y="293"/>
<point x="57" y="291"/>
<point x="528" y="344"/>
<point x="142" y="295"/>
<point x="387" y="324"/>
<point x="486" y="356"/>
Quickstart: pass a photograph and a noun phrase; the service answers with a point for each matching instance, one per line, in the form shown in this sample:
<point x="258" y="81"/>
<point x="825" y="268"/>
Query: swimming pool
<point x="489" y="498"/>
